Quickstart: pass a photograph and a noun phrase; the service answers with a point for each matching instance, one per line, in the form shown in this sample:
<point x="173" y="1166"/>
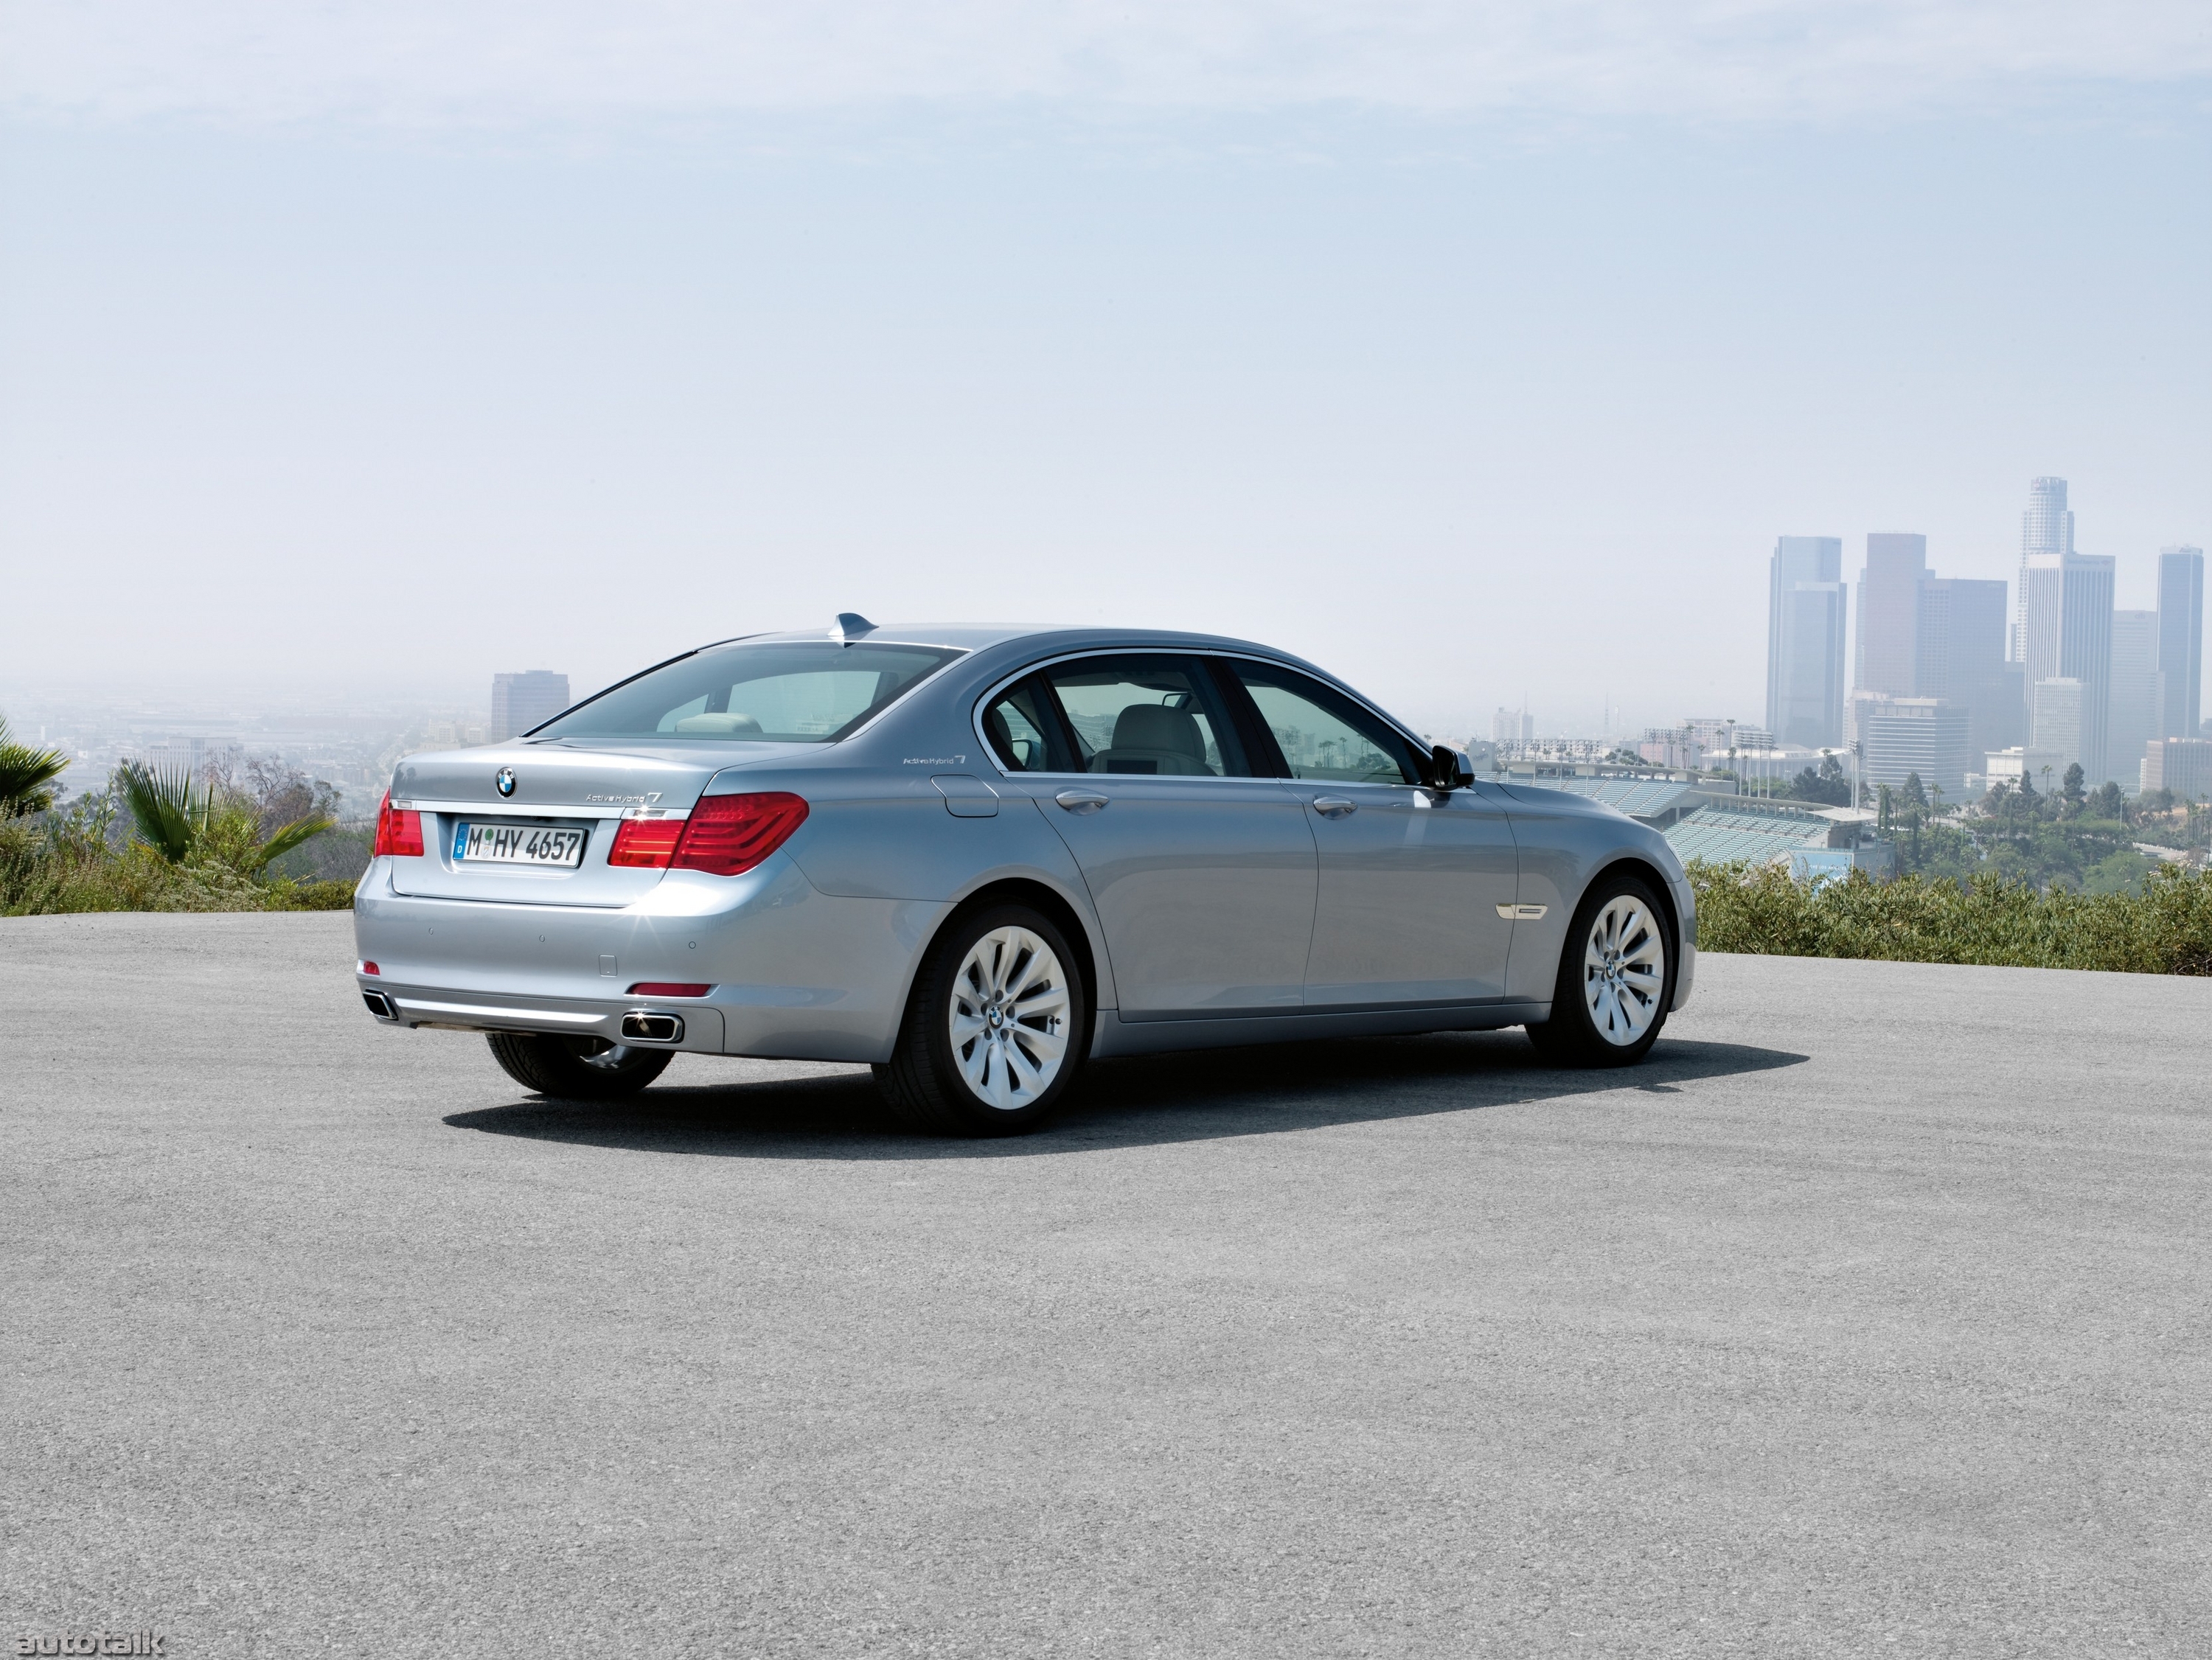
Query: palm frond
<point x="24" y="774"/>
<point x="169" y="810"/>
<point x="286" y="837"/>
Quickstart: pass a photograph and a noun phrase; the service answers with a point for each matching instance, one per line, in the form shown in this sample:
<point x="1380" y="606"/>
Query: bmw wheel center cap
<point x="505" y="781"/>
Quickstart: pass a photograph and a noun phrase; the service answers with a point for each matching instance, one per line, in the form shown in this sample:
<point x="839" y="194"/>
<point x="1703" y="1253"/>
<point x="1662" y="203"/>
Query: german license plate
<point x="517" y="844"/>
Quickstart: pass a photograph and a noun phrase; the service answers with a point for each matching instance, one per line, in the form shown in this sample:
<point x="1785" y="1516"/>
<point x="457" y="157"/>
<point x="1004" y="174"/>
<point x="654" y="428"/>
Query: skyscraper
<point x="2136" y="700"/>
<point x="2068" y="633"/>
<point x="2181" y="639"/>
<point x="519" y="702"/>
<point x="1960" y="657"/>
<point x="2047" y="527"/>
<point x="1889" y="614"/>
<point x="1805" y="641"/>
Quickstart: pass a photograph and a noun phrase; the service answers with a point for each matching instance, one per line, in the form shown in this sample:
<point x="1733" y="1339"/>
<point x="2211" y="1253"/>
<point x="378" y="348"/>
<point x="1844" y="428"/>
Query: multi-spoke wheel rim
<point x="1624" y="970"/>
<point x="1009" y="1018"/>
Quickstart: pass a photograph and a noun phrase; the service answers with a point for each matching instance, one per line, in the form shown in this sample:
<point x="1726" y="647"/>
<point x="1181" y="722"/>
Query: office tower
<point x="1961" y="657"/>
<point x="2181" y="638"/>
<point x="519" y="702"/>
<point x="1900" y="736"/>
<point x="1512" y="726"/>
<point x="2068" y="636"/>
<point x="1805" y="629"/>
<point x="1889" y="614"/>
<point x="2057" y="723"/>
<point x="2137" y="700"/>
<point x="2047" y="527"/>
<point x="2181" y="765"/>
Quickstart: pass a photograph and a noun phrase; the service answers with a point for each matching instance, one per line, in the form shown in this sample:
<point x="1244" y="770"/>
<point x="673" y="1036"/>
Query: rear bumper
<point x="797" y="974"/>
<point x="413" y="1006"/>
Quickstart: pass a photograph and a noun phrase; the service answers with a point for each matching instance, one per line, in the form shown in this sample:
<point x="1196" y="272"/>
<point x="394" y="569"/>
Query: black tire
<point x="926" y="1081"/>
<point x="1572" y="1036"/>
<point x="576" y="1068"/>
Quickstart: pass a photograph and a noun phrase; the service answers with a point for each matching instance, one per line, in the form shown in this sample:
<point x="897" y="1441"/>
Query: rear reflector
<point x="398" y="833"/>
<point x="646" y="844"/>
<point x="668" y="989"/>
<point x="370" y="968"/>
<point x="728" y="835"/>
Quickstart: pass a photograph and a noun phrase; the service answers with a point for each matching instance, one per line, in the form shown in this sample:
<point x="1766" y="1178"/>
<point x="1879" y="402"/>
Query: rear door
<point x="1202" y="875"/>
<point x="1416" y="887"/>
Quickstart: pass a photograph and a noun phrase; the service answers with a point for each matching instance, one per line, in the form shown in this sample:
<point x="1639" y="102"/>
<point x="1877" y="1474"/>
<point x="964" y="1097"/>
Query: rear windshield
<point x="800" y="692"/>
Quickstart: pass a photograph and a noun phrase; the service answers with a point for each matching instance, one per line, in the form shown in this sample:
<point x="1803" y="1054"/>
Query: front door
<point x="1202" y="875"/>
<point x="1417" y="886"/>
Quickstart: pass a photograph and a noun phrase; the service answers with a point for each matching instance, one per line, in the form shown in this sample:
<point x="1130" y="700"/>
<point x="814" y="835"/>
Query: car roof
<point x="975" y="637"/>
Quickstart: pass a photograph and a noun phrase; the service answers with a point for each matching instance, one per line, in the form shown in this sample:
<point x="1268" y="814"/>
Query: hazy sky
<point x="1473" y="351"/>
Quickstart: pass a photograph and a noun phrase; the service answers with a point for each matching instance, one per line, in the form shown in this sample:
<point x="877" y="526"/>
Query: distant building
<point x="2137" y="693"/>
<point x="1902" y="737"/>
<point x="1889" y="614"/>
<point x="521" y="702"/>
<point x="1805" y="641"/>
<point x="2069" y="634"/>
<point x="2181" y="639"/>
<point x="1960" y="657"/>
<point x="2181" y="765"/>
<point x="2046" y="528"/>
<point x="2056" y="724"/>
<point x="1513" y="726"/>
<point x="2009" y="767"/>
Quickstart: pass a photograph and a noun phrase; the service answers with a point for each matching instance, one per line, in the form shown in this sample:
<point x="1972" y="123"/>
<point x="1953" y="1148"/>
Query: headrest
<point x="732" y="725"/>
<point x="1156" y="726"/>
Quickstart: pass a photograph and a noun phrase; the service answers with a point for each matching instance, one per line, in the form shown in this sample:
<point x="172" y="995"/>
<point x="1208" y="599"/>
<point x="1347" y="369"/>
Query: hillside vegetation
<point x="152" y="842"/>
<point x="2166" y="929"/>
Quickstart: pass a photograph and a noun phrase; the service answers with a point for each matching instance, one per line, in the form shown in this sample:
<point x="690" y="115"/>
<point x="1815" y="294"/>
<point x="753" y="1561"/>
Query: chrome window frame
<point x="984" y="701"/>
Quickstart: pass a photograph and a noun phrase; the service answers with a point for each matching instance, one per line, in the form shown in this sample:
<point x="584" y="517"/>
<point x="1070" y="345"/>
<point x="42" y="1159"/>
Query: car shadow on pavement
<point x="1125" y="1103"/>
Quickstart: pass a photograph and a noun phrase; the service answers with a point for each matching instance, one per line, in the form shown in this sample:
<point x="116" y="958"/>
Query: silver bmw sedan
<point x="977" y="858"/>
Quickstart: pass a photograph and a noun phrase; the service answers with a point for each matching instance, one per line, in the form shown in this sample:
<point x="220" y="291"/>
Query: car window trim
<point x="1415" y="749"/>
<point x="1211" y="657"/>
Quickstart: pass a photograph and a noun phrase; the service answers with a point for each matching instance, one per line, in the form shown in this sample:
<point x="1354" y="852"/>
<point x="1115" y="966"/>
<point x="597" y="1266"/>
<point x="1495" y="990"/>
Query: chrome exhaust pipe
<point x="379" y="1005"/>
<point x="653" y="1028"/>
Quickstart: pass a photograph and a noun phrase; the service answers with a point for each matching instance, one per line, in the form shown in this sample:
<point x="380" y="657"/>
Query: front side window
<point x="1145" y="715"/>
<point x="1324" y="733"/>
<point x="785" y="691"/>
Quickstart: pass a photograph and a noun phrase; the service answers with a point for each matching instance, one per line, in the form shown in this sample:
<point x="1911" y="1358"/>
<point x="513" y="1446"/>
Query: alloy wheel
<point x="1624" y="970"/>
<point x="1009" y="1017"/>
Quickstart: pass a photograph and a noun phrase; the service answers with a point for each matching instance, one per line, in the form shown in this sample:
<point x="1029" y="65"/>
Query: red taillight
<point x="648" y="843"/>
<point x="728" y="835"/>
<point x="668" y="989"/>
<point x="371" y="969"/>
<point x="398" y="833"/>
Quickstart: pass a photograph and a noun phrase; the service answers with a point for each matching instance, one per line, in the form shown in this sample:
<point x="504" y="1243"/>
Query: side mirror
<point x="1450" y="769"/>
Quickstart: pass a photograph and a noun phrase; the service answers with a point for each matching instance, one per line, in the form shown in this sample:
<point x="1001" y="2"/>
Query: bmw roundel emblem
<point x="505" y="781"/>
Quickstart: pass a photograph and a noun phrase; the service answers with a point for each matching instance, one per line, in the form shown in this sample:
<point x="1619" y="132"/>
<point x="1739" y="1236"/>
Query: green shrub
<point x="2167" y="929"/>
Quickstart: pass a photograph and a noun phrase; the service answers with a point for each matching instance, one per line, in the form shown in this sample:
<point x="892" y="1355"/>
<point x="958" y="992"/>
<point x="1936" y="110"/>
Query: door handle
<point x="1081" y="801"/>
<point x="1334" y="807"/>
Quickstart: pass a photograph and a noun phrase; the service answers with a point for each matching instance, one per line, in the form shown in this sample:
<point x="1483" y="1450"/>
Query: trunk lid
<point x="553" y="785"/>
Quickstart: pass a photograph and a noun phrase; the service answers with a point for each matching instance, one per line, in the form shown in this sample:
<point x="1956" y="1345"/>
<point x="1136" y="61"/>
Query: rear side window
<point x="787" y="692"/>
<point x="1142" y="715"/>
<point x="1324" y="733"/>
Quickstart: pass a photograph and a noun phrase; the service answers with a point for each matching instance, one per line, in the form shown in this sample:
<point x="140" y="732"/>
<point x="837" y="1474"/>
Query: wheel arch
<point x="1653" y="877"/>
<point x="1040" y="896"/>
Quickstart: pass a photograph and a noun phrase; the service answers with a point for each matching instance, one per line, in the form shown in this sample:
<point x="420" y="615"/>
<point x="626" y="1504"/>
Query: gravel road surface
<point x="1874" y="1315"/>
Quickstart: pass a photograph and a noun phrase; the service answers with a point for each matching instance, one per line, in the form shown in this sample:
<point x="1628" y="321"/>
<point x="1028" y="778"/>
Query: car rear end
<point x="541" y="889"/>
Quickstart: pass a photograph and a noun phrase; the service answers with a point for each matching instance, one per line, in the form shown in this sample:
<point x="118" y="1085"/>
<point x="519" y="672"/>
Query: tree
<point x="1915" y="793"/>
<point x="2105" y="801"/>
<point x="186" y="820"/>
<point x="25" y="773"/>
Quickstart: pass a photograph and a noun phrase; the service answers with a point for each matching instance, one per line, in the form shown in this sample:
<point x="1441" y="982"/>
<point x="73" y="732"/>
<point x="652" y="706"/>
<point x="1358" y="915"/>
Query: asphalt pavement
<point x="1872" y="1315"/>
